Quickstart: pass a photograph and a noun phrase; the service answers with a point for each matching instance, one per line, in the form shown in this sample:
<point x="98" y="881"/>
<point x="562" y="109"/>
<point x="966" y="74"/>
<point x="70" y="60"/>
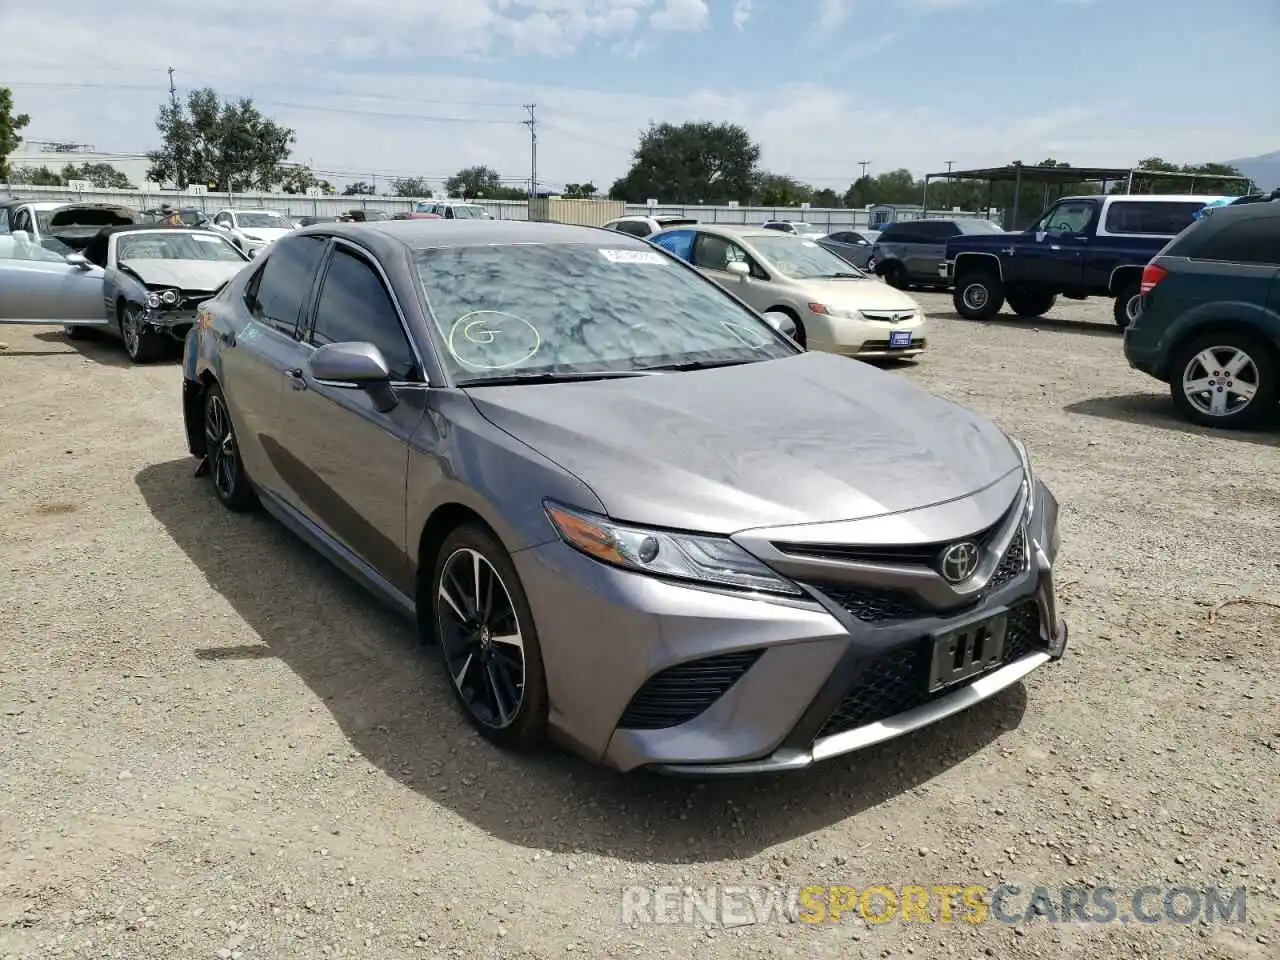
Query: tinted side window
<point x="280" y="289"/>
<point x="935" y="231"/>
<point x="354" y="305"/>
<point x="1150" y="216"/>
<point x="1256" y="240"/>
<point x="680" y="243"/>
<point x="635" y="228"/>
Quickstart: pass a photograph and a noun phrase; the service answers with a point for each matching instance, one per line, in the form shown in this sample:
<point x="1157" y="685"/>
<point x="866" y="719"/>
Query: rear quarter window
<point x="1253" y="240"/>
<point x="1151" y="217"/>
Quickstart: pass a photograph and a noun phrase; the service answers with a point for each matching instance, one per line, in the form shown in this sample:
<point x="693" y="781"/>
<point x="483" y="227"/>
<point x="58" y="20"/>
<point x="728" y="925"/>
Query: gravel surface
<point x="215" y="746"/>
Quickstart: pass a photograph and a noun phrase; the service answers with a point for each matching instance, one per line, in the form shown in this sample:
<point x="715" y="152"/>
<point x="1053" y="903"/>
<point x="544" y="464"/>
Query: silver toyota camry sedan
<point x="626" y="511"/>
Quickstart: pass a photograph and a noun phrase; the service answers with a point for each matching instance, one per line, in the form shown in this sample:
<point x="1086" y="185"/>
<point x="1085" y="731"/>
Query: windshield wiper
<point x="839" y="276"/>
<point x="509" y="379"/>
<point x="698" y="364"/>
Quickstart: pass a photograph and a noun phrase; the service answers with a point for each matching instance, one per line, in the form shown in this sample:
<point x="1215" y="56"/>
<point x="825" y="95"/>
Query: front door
<point x="1052" y="253"/>
<point x="40" y="286"/>
<point x="345" y="461"/>
<point x="712" y="255"/>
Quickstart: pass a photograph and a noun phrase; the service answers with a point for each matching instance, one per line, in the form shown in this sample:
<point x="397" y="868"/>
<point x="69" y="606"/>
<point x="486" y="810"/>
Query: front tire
<point x="895" y="274"/>
<point x="142" y="345"/>
<point x="1030" y="304"/>
<point x="231" y="483"/>
<point x="1228" y="380"/>
<point x="1128" y="304"/>
<point x="488" y="643"/>
<point x="978" y="295"/>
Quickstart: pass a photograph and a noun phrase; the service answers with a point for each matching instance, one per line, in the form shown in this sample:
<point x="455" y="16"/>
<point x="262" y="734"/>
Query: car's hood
<point x="265" y="233"/>
<point x="183" y="274"/>
<point x="805" y="439"/>
<point x="868" y="294"/>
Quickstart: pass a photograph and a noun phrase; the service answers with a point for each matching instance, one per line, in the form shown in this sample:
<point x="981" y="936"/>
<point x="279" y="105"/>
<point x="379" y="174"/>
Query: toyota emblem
<point x="959" y="561"/>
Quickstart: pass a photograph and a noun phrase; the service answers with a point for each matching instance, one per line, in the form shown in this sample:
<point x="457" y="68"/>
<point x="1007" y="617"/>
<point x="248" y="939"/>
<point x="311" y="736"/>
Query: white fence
<point x="303" y="206"/>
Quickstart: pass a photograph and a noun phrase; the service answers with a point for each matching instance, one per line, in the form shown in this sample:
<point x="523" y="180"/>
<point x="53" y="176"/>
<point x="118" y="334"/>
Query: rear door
<point x="39" y="286"/>
<point x="923" y="258"/>
<point x="256" y="360"/>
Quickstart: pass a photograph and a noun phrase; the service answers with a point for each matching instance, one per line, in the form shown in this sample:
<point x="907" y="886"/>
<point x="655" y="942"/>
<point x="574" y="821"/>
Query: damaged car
<point x="64" y="226"/>
<point x="141" y="283"/>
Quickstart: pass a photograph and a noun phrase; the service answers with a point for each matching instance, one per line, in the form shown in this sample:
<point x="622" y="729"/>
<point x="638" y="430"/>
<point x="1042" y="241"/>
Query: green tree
<point x="11" y="125"/>
<point x="580" y="191"/>
<point x="778" y="190"/>
<point x="36" y="177"/>
<point x="230" y="147"/>
<point x="102" y="175"/>
<point x="698" y="162"/>
<point x="826" y="197"/>
<point x="1200" y="178"/>
<point x="298" y="179"/>
<point x="359" y="189"/>
<point x="474" y="182"/>
<point x="411" y="187"/>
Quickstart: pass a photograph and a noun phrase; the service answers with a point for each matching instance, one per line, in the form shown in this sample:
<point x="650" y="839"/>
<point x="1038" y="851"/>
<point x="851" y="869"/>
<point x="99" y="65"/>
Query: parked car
<point x="851" y="246"/>
<point x="362" y="216"/>
<point x="1209" y="324"/>
<point x="907" y="252"/>
<point x="251" y="230"/>
<point x="1092" y="246"/>
<point x="835" y="306"/>
<point x="63" y="226"/>
<point x="312" y="221"/>
<point x="141" y="282"/>
<point x="816" y="555"/>
<point x="644" y="226"/>
<point x="191" y="216"/>
<point x="797" y="227"/>
<point x="454" y="210"/>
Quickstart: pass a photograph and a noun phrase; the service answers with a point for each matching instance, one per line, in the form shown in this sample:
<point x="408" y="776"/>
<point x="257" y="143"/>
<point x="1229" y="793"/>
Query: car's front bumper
<point x="610" y="639"/>
<point x="174" y="322"/>
<point x="864" y="339"/>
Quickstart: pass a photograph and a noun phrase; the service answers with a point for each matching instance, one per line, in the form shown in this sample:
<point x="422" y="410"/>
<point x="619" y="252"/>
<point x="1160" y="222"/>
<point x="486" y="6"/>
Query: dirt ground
<point x="213" y="745"/>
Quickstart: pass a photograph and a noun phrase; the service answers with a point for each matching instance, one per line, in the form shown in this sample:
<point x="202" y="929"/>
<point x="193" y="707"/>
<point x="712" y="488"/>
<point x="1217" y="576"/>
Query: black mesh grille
<point x="916" y="344"/>
<point x="678" y="694"/>
<point x="898" y="680"/>
<point x="874" y="605"/>
<point x="1013" y="563"/>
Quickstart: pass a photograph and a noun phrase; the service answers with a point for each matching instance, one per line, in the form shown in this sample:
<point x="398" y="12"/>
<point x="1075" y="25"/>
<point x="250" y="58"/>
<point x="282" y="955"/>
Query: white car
<point x="251" y="230"/>
<point x="797" y="227"/>
<point x="453" y="210"/>
<point x="645" y="227"/>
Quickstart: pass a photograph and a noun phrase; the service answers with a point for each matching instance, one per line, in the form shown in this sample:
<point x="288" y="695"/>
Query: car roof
<point x="1240" y="211"/>
<point x="1148" y="197"/>
<point x="384" y="235"/>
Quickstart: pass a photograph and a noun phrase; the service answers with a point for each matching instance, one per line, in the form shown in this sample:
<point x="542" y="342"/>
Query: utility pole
<point x="532" y="124"/>
<point x="950" y="163"/>
<point x="864" y="164"/>
<point x="178" y="164"/>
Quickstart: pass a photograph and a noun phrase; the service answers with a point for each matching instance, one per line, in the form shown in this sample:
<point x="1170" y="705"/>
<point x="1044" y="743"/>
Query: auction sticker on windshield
<point x="614" y="255"/>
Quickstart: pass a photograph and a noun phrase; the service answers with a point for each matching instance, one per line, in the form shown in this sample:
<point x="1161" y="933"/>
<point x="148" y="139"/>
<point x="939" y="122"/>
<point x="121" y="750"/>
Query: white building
<point x="133" y="166"/>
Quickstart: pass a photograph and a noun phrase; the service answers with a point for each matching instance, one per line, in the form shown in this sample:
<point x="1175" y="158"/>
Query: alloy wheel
<point x="220" y="447"/>
<point x="479" y="632"/>
<point x="1133" y="307"/>
<point x="1220" y="381"/>
<point x="131" y="330"/>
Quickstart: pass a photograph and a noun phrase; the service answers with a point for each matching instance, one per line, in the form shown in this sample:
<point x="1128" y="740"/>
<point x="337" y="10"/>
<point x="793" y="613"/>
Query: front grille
<point x="874" y="605"/>
<point x="898" y="680"/>
<point x="877" y="345"/>
<point x="680" y="693"/>
<point x="918" y="554"/>
<point x="1014" y="562"/>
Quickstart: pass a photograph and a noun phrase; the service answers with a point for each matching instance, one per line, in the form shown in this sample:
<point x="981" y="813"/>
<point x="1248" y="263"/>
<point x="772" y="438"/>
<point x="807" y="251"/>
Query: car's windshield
<point x="175" y="246"/>
<point x="801" y="259"/>
<point x="580" y="308"/>
<point x="978" y="226"/>
<point x="804" y="227"/>
<point x="469" y="213"/>
<point x="269" y="221"/>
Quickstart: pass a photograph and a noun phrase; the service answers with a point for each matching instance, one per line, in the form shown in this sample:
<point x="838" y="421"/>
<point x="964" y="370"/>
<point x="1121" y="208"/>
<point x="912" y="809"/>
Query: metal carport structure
<point x="1019" y="174"/>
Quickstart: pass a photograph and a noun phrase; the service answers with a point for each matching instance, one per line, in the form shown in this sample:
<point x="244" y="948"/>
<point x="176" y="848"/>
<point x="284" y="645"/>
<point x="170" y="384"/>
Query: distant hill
<point x="1264" y="169"/>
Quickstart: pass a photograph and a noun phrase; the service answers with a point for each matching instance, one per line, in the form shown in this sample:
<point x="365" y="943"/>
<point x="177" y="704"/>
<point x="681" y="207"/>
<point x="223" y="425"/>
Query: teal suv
<point x="1209" y="321"/>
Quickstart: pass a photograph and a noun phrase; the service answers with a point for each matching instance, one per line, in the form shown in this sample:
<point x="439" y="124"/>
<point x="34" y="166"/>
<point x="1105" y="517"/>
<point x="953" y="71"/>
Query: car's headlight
<point x="715" y="561"/>
<point x="826" y="310"/>
<point x="1028" y="476"/>
<point x="169" y="297"/>
<point x="153" y="301"/>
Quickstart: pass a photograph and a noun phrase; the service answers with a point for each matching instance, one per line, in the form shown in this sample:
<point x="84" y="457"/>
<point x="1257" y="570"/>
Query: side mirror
<point x="781" y="322"/>
<point x="740" y="268"/>
<point x="78" y="260"/>
<point x="355" y="366"/>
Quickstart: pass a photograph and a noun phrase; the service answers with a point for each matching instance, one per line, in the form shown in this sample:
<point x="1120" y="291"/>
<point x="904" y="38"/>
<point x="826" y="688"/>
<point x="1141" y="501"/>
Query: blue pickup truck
<point x="1081" y="247"/>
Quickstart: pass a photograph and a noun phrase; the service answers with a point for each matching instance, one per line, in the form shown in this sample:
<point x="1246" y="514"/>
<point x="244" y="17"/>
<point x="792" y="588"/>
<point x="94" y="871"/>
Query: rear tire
<point x="1128" y="304"/>
<point x="895" y="274"/>
<point x="1030" y="304"/>
<point x="1221" y="366"/>
<point x="978" y="295"/>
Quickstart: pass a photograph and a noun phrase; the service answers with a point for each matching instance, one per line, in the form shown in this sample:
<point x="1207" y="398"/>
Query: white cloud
<point x="376" y="58"/>
<point x="741" y="14"/>
<point x="831" y="14"/>
<point x="681" y="15"/>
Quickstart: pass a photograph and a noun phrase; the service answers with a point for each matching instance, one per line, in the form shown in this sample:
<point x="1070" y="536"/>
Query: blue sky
<point x="820" y="84"/>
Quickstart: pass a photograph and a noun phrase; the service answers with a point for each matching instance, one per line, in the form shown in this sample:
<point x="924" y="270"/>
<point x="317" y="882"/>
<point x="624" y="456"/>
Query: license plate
<point x="899" y="338"/>
<point x="967" y="652"/>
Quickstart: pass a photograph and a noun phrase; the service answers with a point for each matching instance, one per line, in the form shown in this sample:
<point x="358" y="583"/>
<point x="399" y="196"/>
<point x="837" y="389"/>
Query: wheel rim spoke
<point x="481" y="638"/>
<point x="1211" y="381"/>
